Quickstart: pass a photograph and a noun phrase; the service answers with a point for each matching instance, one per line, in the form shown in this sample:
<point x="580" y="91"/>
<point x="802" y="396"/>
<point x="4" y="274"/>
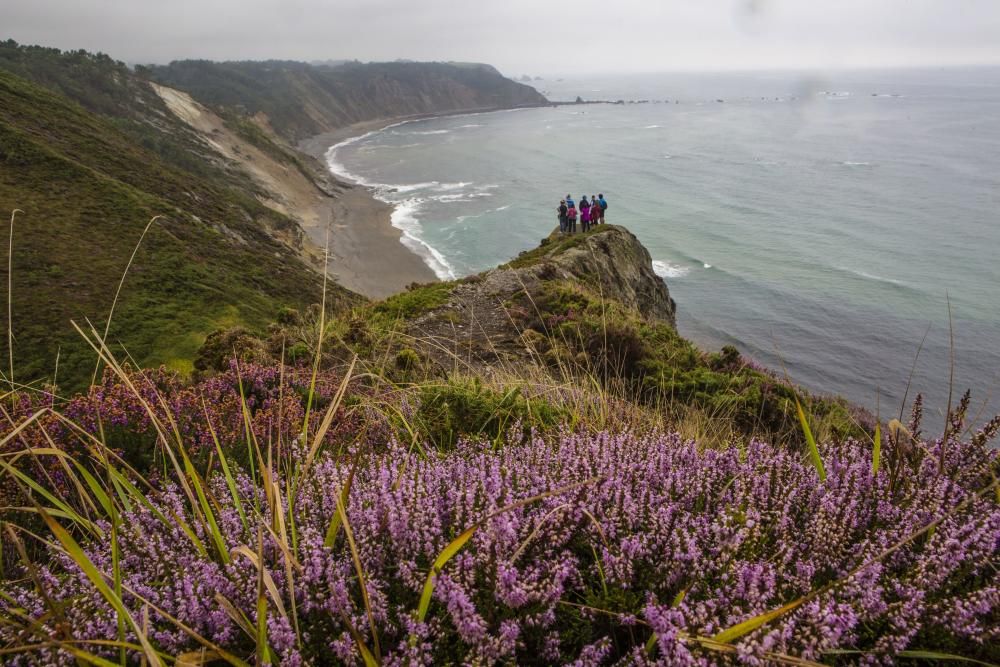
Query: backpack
<point x="604" y="205"/>
<point x="572" y="213"/>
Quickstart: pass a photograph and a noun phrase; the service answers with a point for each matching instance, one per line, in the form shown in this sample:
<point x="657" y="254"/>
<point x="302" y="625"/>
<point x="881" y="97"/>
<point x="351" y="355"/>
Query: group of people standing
<point x="590" y="213"/>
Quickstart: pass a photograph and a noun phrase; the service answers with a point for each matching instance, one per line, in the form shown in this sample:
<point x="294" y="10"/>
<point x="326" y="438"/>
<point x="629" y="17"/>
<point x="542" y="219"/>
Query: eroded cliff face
<point x="298" y="100"/>
<point x="484" y="317"/>
<point x="612" y="261"/>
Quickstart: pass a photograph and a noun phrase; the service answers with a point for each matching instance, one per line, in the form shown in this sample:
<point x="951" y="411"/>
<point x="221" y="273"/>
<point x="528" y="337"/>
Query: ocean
<point x="832" y="225"/>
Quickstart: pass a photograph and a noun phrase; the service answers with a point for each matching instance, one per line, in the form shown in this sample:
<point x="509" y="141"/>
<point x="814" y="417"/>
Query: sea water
<point x="831" y="225"/>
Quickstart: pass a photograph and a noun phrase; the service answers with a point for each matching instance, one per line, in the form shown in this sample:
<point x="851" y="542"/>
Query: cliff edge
<point x="483" y="318"/>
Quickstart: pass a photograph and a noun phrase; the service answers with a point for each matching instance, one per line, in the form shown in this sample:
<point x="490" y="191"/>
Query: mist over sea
<point x="825" y="222"/>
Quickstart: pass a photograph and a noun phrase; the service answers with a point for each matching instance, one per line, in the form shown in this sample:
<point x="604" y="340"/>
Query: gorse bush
<point x="601" y="548"/>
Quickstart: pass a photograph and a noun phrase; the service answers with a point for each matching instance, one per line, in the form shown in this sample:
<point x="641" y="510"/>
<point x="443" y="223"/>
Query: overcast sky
<point x="525" y="36"/>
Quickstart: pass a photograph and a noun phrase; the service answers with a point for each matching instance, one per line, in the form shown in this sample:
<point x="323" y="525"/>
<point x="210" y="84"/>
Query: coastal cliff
<point x="296" y="100"/>
<point x="486" y="315"/>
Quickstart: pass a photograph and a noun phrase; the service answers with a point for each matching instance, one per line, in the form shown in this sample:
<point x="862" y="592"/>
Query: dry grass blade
<point x="57" y="504"/>
<point x="186" y="629"/>
<point x="197" y="658"/>
<point x="238" y="616"/>
<point x="534" y="533"/>
<point x="10" y="298"/>
<point x="345" y="493"/>
<point x="359" y="641"/>
<point x="951" y="378"/>
<point x="213" y="526"/>
<point x="268" y="581"/>
<point x="327" y="420"/>
<point x="263" y="653"/>
<point x="446" y="554"/>
<point x="749" y="625"/>
<point x="230" y="480"/>
<point x="319" y="341"/>
<point x="100" y="347"/>
<point x="362" y="578"/>
<point x="736" y="631"/>
<point x="877" y="451"/>
<point x="54" y="610"/>
<point x="281" y="536"/>
<point x="114" y="302"/>
<point x="777" y="658"/>
<point x="17" y="430"/>
<point x="83" y="657"/>
<point x="918" y="654"/>
<point x="97" y="580"/>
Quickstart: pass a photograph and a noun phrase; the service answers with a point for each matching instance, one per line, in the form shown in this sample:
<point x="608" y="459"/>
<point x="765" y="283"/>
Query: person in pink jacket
<point x="584" y="214"/>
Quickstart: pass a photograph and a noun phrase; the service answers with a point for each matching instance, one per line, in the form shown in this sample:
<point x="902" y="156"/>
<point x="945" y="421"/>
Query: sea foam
<point x="665" y="269"/>
<point x="404" y="213"/>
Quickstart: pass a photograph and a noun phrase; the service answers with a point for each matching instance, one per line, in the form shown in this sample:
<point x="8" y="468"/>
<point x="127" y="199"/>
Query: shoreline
<point x="367" y="253"/>
<point x="317" y="145"/>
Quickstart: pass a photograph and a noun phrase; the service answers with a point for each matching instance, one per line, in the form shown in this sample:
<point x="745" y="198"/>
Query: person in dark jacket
<point x="563" y="217"/>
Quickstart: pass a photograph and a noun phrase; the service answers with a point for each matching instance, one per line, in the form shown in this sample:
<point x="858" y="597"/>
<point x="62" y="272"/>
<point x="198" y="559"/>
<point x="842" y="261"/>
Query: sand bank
<point x="366" y="251"/>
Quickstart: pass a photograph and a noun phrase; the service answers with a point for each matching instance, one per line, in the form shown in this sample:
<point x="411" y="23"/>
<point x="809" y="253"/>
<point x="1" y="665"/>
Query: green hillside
<point x="87" y="189"/>
<point x="301" y="100"/>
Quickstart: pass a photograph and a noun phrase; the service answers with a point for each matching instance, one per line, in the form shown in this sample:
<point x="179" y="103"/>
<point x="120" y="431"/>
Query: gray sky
<point x="525" y="36"/>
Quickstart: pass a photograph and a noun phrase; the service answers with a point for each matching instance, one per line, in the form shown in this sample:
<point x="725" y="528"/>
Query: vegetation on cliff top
<point x="270" y="515"/>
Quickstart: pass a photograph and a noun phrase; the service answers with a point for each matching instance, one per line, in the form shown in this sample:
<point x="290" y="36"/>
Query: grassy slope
<point x="87" y="189"/>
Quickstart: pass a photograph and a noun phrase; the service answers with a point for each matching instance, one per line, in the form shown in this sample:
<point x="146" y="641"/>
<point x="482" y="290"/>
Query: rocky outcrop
<point x="478" y="324"/>
<point x="611" y="260"/>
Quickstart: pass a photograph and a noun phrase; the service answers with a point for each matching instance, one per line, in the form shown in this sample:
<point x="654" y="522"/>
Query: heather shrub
<point x="599" y="549"/>
<point x="123" y="412"/>
<point x="217" y="352"/>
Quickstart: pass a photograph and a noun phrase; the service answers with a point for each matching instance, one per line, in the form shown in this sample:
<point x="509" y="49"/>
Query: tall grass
<point x="363" y="507"/>
<point x="240" y="518"/>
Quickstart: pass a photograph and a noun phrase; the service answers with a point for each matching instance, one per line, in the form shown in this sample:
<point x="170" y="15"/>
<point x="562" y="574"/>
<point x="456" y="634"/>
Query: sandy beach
<point x="366" y="254"/>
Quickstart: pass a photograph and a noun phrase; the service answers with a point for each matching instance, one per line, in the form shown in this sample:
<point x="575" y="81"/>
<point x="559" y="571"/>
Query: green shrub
<point x="297" y="352"/>
<point x="415" y="301"/>
<point x="407" y="359"/>
<point x="659" y="367"/>
<point x="451" y="410"/>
